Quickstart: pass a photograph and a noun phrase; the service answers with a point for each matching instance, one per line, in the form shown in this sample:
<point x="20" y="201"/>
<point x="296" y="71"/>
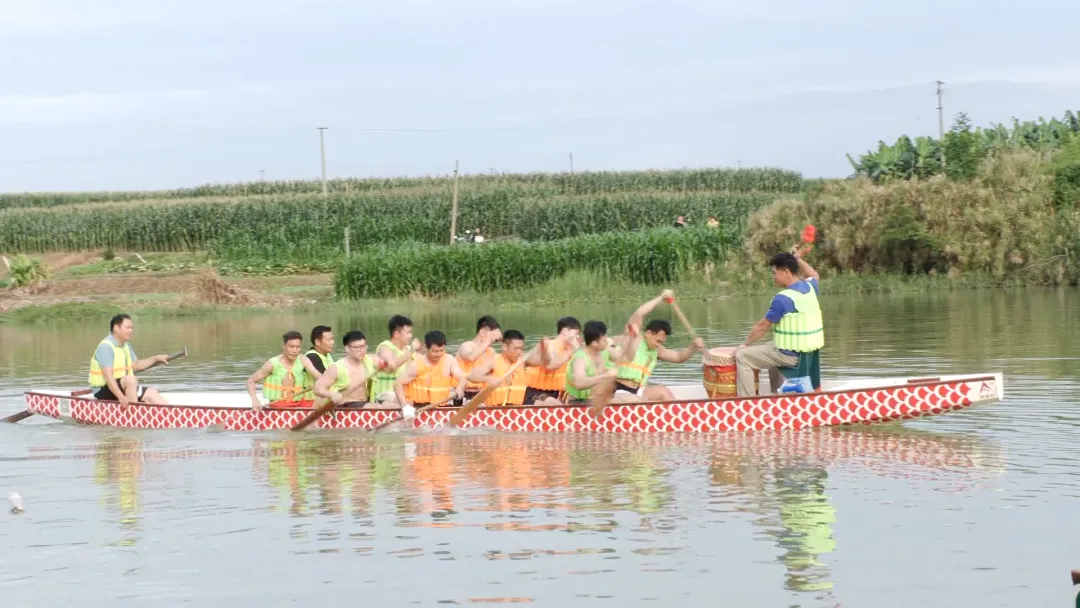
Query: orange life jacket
<point x="512" y="390"/>
<point x="433" y="383"/>
<point x="544" y="379"/>
<point x="467" y="366"/>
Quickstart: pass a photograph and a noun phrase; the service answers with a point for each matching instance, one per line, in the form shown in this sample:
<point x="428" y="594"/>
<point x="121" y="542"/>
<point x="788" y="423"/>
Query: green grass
<point x="574" y="288"/>
<point x="160" y="263"/>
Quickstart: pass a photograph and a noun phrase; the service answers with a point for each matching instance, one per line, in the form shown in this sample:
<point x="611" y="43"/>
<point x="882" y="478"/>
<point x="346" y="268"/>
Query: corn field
<point x="310" y="226"/>
<point x="652" y="257"/>
<point x="535" y="184"/>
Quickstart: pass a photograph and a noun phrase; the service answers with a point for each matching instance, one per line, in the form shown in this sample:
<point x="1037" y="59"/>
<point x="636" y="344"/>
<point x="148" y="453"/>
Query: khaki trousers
<point x="760" y="356"/>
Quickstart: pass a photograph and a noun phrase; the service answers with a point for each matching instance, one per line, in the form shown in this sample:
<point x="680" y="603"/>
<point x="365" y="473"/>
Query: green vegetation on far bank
<point x="302" y="225"/>
<point x="527" y="184"/>
<point x="983" y="207"/>
<point x="572" y="289"/>
<point x="647" y="258"/>
<point x="1006" y="222"/>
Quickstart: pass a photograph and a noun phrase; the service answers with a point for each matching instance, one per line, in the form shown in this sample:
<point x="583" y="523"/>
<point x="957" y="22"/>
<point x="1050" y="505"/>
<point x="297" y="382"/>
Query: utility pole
<point x="941" y="122"/>
<point x="571" y="162"/>
<point x="322" y="152"/>
<point x="454" y="206"/>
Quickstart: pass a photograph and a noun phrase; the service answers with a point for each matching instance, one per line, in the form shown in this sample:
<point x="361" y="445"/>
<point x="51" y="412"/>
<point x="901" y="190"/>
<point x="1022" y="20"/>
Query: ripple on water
<point x="815" y="518"/>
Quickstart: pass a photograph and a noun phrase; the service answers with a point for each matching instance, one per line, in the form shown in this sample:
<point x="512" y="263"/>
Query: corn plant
<point x="536" y="184"/>
<point x="651" y="257"/>
<point x="311" y="226"/>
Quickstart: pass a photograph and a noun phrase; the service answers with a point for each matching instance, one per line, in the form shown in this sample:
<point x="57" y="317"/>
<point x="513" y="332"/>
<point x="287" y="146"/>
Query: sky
<point x="149" y="94"/>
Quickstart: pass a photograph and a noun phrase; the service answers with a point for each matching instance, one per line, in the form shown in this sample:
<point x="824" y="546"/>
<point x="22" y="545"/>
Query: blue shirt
<point x="104" y="354"/>
<point x="782" y="305"/>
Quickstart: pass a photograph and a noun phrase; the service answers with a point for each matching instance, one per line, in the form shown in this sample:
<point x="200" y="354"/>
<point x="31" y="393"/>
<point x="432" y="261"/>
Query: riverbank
<point x="197" y="293"/>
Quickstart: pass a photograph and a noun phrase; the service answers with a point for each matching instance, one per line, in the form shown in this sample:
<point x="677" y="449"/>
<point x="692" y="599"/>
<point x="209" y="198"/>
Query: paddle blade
<point x="17" y="417"/>
<point x="313" y="416"/>
<point x="809" y="233"/>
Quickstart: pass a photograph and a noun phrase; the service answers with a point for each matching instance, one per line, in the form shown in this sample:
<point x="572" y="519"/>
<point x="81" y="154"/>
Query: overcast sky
<point x="134" y="94"/>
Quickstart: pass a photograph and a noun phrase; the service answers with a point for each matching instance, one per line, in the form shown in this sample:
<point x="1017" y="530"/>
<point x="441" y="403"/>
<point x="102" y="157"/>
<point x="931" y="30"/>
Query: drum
<point x="718" y="370"/>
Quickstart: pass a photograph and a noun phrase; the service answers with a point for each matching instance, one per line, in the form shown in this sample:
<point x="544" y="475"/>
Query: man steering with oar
<point x="113" y="366"/>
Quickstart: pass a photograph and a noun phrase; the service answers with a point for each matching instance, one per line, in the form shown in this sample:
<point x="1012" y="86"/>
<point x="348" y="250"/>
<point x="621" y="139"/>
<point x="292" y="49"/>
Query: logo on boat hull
<point x="985" y="391"/>
<point x="64" y="407"/>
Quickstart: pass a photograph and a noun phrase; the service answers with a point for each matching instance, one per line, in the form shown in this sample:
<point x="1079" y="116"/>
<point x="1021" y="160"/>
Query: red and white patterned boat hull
<point x="856" y="402"/>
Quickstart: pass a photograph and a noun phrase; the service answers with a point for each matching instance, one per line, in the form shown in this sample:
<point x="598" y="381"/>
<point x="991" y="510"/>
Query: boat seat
<point x="809" y="365"/>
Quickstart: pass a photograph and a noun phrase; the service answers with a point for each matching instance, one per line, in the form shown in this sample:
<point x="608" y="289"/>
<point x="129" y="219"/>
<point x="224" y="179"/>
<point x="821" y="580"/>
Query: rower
<point x="491" y="370"/>
<point x="345" y="381"/>
<point x="431" y="378"/>
<point x="545" y="384"/>
<point x="113" y="366"/>
<point x="322" y="344"/>
<point x="799" y="330"/>
<point x="586" y="362"/>
<point x="647" y="349"/>
<point x="282" y="375"/>
<point x="472" y="351"/>
<point x="396" y="355"/>
<point x="372" y="363"/>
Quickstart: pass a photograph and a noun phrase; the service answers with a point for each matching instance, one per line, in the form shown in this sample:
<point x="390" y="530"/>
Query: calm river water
<point x="975" y="508"/>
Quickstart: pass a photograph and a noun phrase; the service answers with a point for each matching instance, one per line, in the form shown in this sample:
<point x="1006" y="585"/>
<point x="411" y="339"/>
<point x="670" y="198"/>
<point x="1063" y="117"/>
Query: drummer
<point x="798" y="330"/>
<point x="648" y="348"/>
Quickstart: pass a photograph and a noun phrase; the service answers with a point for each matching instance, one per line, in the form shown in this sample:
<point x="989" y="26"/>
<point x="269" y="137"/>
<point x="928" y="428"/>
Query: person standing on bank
<point x="113" y="366"/>
<point x="796" y="315"/>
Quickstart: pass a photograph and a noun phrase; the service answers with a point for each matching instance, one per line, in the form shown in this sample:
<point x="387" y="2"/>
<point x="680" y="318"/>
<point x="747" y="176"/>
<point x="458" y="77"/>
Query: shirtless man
<point x="645" y="350"/>
<point x="471" y="352"/>
<point x="345" y="381"/>
<point x="283" y="375"/>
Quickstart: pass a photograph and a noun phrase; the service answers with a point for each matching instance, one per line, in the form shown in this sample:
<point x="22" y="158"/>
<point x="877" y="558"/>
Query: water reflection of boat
<point x="866" y="401"/>
<point x="873" y="447"/>
<point x="582" y="480"/>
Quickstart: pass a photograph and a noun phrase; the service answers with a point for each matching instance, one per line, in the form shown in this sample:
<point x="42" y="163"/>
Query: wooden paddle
<point x="682" y="318"/>
<point x="12" y="419"/>
<point x="466" y="410"/>
<point x="418" y="412"/>
<point x="324" y="408"/>
<point x="601" y="394"/>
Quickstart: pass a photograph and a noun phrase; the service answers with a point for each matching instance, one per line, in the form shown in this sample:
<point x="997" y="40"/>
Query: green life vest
<point x="327" y="361"/>
<point x="590" y="370"/>
<point x="801" y="331"/>
<point x="123" y="364"/>
<point x="383" y="381"/>
<point x="369" y="365"/>
<point x="274" y="385"/>
<point x="639" y="370"/>
<point x="342" y="381"/>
